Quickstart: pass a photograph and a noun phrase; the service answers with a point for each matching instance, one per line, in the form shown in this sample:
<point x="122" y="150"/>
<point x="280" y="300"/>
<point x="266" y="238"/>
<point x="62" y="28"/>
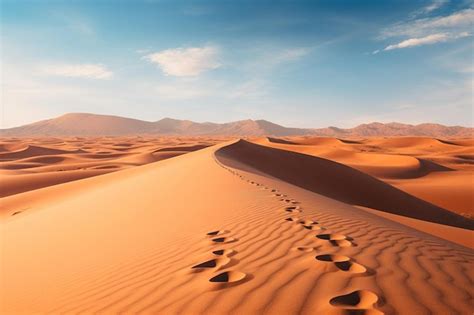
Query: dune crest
<point x="33" y="163"/>
<point x="336" y="181"/>
<point x="435" y="170"/>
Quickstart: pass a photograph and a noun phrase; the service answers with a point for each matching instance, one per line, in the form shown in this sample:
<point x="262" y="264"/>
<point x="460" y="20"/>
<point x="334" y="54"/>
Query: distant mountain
<point x="377" y="129"/>
<point x="81" y="124"/>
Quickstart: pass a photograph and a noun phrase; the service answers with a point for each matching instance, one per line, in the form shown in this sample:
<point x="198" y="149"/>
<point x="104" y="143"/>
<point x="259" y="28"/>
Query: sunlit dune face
<point x="32" y="163"/>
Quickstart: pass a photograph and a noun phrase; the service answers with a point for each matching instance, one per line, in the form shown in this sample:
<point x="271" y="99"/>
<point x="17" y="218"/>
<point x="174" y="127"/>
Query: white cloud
<point x="183" y="62"/>
<point x="90" y="71"/>
<point x="457" y="22"/>
<point x="427" y="31"/>
<point x="433" y="6"/>
<point x="427" y="40"/>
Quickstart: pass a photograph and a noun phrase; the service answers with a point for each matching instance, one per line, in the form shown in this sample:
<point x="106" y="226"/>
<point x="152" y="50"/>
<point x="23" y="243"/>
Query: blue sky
<point x="296" y="63"/>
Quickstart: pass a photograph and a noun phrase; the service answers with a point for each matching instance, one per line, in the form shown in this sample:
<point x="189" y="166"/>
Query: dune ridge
<point x="33" y="163"/>
<point x="437" y="171"/>
<point x="327" y="177"/>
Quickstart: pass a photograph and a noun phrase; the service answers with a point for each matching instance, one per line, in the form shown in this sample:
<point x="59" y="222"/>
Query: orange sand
<point x="234" y="228"/>
<point x="32" y="163"/>
<point x="438" y="171"/>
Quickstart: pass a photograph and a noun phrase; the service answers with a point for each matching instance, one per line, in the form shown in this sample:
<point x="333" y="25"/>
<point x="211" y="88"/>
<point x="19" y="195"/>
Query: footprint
<point x="291" y="219"/>
<point x="217" y="232"/>
<point x="213" y="263"/>
<point x="362" y="300"/>
<point x="307" y="222"/>
<point x="224" y="240"/>
<point x="228" y="277"/>
<point x="223" y="252"/>
<point x="292" y="209"/>
<point x="344" y="263"/>
<point x="310" y="225"/>
<point x="293" y="202"/>
<point x="313" y="227"/>
<point x="333" y="237"/>
<point x="337" y="239"/>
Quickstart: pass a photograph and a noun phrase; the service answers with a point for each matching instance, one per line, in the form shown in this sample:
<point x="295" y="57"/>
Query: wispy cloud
<point x="184" y="62"/>
<point x="427" y="31"/>
<point x="433" y="6"/>
<point x="460" y="21"/>
<point x="89" y="71"/>
<point x="427" y="40"/>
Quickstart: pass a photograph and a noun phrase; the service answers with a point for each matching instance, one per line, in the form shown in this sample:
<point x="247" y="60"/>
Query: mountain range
<point x="84" y="124"/>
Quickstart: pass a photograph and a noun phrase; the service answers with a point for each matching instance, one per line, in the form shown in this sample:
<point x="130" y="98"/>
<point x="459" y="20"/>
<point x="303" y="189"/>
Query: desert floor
<point x="263" y="225"/>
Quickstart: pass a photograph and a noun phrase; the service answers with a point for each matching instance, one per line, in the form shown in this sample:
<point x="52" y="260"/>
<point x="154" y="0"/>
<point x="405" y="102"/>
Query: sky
<point x="295" y="63"/>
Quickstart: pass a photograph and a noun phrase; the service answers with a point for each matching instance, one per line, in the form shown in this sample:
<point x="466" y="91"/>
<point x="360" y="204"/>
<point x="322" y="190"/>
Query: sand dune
<point x="34" y="163"/>
<point x="438" y="171"/>
<point x="214" y="232"/>
<point x="337" y="181"/>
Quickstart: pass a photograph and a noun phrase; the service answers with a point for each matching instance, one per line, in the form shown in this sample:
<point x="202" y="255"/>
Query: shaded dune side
<point x="425" y="167"/>
<point x="32" y="150"/>
<point x="281" y="141"/>
<point x="337" y="181"/>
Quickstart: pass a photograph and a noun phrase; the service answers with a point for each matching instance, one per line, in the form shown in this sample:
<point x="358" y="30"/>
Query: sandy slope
<point x="31" y="163"/>
<point x="163" y="238"/>
<point x="438" y="171"/>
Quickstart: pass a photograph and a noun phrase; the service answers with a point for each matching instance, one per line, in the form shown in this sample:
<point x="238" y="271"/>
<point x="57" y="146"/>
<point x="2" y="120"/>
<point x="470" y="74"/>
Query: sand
<point x="438" y="171"/>
<point x="226" y="230"/>
<point x="31" y="163"/>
